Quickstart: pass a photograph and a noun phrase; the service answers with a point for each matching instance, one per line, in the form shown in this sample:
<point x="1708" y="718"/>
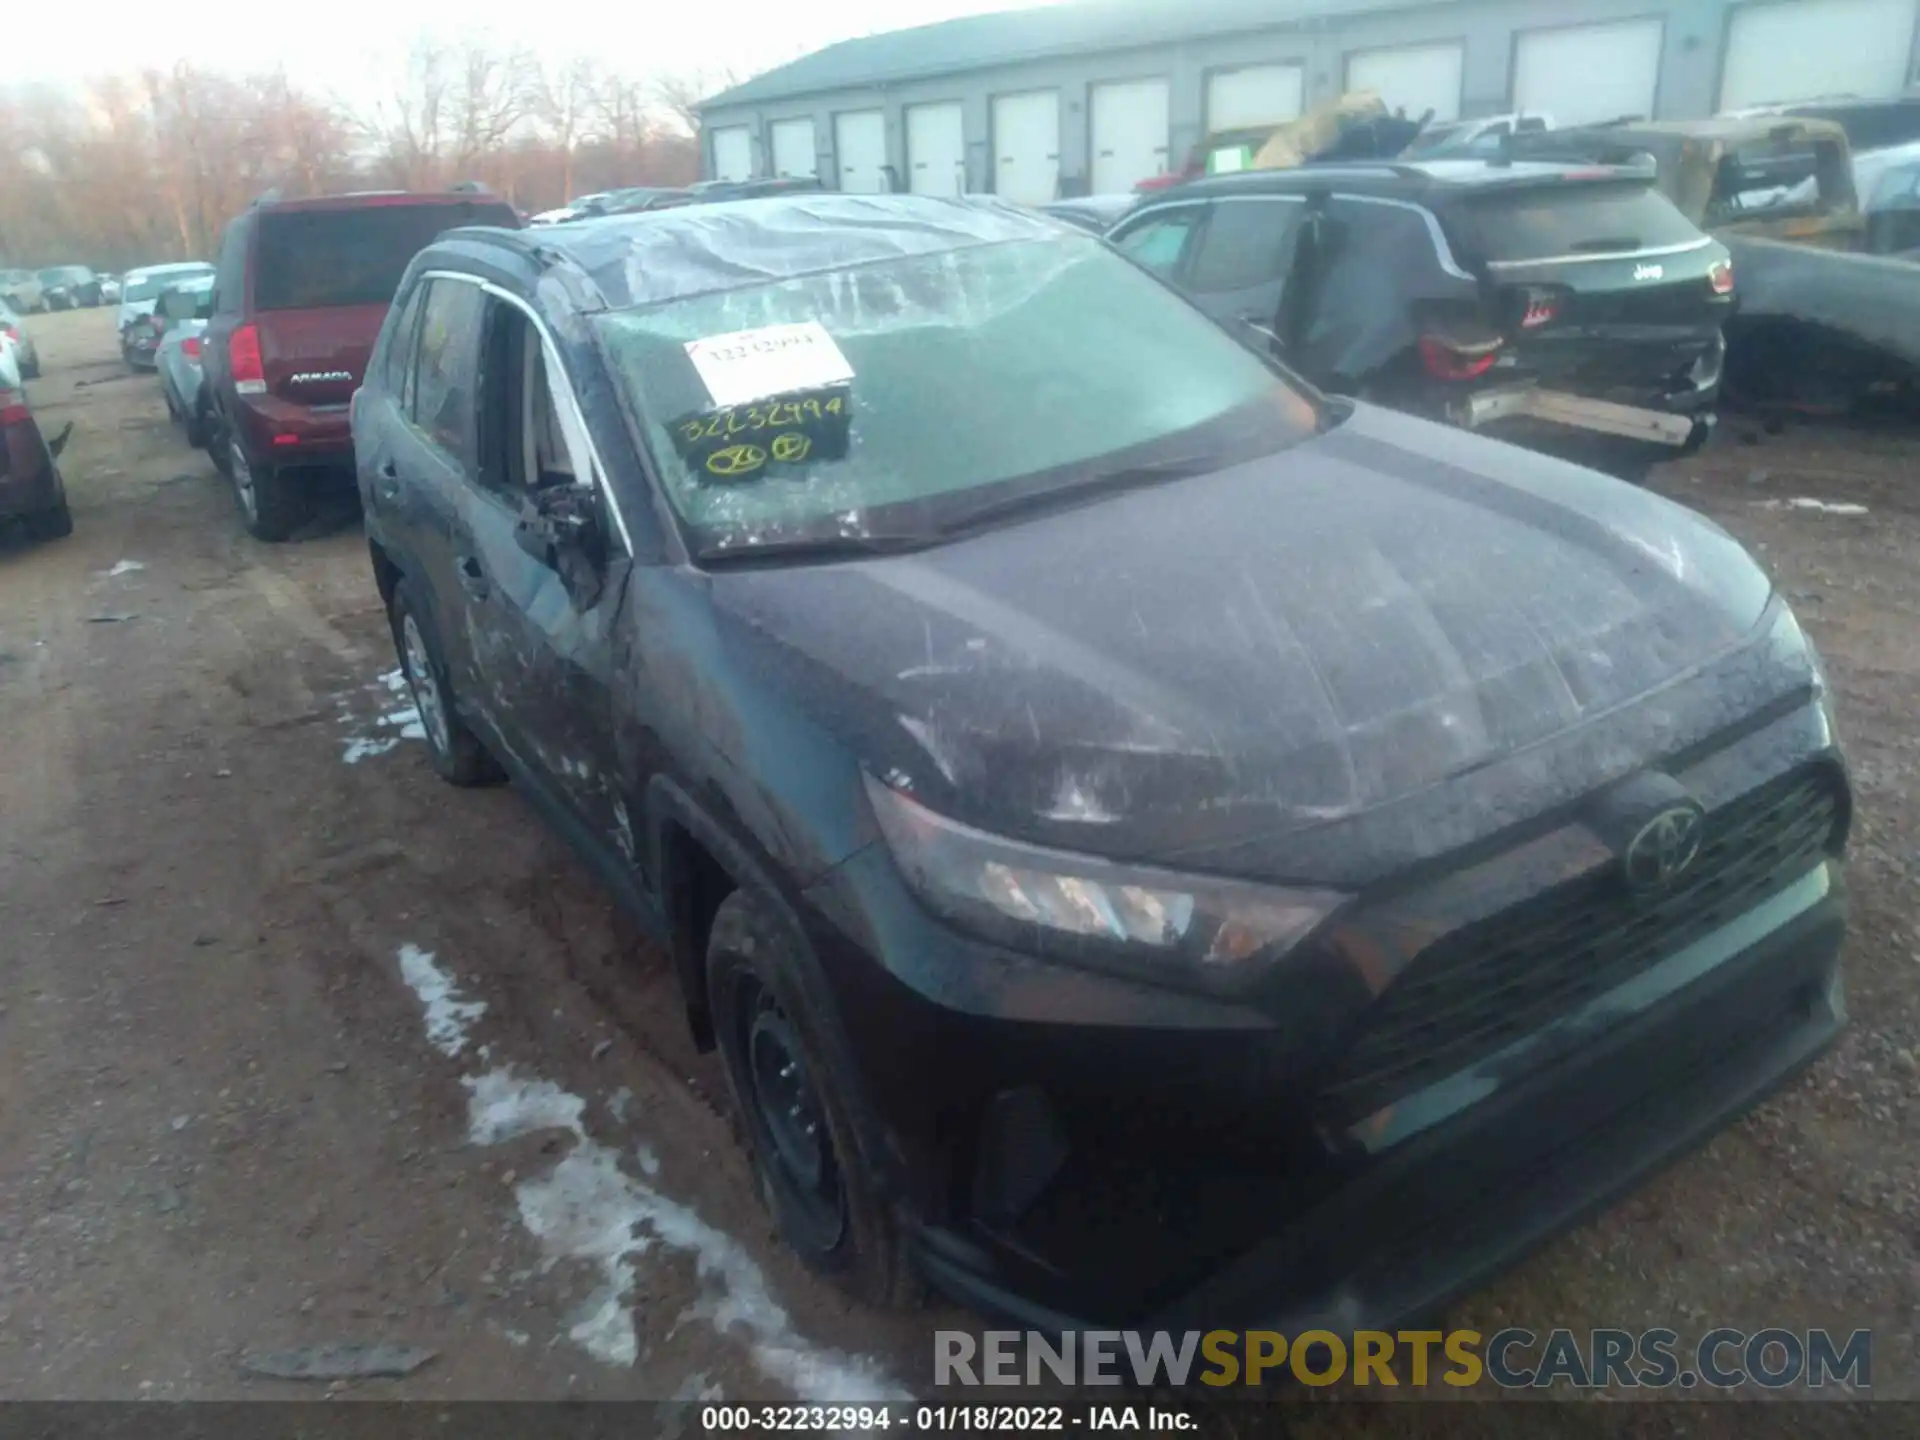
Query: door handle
<point x="473" y="579"/>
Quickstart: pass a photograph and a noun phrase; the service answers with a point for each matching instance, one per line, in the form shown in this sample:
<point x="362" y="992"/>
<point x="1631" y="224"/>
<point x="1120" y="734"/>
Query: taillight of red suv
<point x="243" y="358"/>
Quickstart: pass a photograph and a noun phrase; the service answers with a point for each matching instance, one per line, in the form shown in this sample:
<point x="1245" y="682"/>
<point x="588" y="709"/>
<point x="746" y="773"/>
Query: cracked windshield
<point x="974" y="715"/>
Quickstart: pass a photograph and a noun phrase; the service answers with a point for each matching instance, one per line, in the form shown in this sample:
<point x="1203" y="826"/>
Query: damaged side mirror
<point x="559" y="527"/>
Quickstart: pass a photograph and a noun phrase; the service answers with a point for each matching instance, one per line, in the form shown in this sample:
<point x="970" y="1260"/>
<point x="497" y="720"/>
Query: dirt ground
<point x="292" y="1036"/>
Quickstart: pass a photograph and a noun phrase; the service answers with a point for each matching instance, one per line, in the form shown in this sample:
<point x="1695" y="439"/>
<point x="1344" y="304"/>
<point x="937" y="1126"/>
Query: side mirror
<point x="559" y="528"/>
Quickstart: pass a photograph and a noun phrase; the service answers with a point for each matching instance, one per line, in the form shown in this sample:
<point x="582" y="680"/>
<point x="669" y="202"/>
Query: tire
<point x="795" y="1106"/>
<point x="197" y="429"/>
<point x="30" y="372"/>
<point x="54" y="524"/>
<point x="272" y="506"/>
<point x="458" y="756"/>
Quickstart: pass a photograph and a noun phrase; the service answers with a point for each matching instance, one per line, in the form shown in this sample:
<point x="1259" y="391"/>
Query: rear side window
<point x="1246" y="244"/>
<point x="449" y="351"/>
<point x="1158" y="241"/>
<point x="397" y="367"/>
<point x="1541" y="222"/>
<point x="318" y="259"/>
<point x="229" y="282"/>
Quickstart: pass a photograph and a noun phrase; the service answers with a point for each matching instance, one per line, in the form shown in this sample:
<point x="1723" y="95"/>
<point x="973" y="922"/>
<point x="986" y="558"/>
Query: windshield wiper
<point x="817" y="547"/>
<point x="1101" y="483"/>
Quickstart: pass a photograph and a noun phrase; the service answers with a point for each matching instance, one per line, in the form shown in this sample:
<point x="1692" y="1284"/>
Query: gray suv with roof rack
<point x="1569" y="308"/>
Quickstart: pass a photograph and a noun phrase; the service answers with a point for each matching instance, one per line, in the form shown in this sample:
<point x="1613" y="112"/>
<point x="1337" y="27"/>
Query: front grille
<point x="1508" y="976"/>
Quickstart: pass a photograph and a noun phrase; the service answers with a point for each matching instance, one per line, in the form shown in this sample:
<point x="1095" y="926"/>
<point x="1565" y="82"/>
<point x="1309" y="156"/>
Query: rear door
<point x="322" y="282"/>
<point x="1596" y="284"/>
<point x="1238" y="272"/>
<point x="424" y="454"/>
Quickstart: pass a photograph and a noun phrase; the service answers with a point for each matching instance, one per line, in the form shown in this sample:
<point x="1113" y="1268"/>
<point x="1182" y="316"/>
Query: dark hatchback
<point x="1153" y="845"/>
<point x="1571" y="308"/>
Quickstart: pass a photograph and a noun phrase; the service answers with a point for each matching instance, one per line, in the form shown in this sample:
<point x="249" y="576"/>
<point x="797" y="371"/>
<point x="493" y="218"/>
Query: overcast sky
<point x="351" y="48"/>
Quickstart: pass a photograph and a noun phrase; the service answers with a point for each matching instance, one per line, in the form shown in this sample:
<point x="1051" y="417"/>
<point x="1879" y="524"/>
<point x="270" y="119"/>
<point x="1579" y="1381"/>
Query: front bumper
<point x="1434" y="1218"/>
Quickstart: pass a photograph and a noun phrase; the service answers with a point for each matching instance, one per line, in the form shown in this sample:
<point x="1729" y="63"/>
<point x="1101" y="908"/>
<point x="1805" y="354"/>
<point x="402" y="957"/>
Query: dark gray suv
<point x="1154" y="846"/>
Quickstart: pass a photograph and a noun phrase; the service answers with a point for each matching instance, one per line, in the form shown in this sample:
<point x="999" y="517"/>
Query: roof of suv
<point x="1400" y="178"/>
<point x="369" y="199"/>
<point x="653" y="256"/>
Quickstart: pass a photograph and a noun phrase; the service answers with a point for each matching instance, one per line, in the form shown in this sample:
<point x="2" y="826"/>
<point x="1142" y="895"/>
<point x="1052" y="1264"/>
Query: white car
<point x="1474" y="137"/>
<point x="139" y="289"/>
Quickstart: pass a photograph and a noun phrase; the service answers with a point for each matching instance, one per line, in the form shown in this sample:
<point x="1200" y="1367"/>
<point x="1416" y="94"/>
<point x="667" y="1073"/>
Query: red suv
<point x="299" y="292"/>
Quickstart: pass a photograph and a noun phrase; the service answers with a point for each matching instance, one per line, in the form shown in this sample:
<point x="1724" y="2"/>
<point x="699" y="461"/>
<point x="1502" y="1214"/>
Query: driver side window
<point x="523" y="445"/>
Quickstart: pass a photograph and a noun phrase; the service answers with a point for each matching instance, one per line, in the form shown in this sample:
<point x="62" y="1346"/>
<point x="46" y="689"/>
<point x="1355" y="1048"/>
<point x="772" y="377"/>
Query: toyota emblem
<point x="1664" y="847"/>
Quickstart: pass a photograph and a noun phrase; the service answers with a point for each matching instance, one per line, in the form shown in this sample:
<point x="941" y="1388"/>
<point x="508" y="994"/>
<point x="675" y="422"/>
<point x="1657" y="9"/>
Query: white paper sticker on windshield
<point x="753" y="364"/>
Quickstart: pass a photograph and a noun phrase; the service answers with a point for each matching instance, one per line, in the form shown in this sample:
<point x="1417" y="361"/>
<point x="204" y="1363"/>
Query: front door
<point x="541" y="639"/>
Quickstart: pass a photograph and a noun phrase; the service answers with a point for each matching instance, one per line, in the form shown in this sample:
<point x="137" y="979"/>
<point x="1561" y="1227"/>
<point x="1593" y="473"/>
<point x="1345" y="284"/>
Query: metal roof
<point x="976" y="42"/>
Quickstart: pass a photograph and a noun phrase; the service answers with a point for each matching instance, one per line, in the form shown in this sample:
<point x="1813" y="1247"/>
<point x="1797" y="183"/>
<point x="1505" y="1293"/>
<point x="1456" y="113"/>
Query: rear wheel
<point x="271" y="503"/>
<point x="197" y="429"/>
<point x="54" y="524"/>
<point x="457" y="752"/>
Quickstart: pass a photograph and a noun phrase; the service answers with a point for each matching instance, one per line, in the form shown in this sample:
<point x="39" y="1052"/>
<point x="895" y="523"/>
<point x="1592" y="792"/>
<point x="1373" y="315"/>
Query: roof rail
<point x="269" y="197"/>
<point x="469" y="187"/>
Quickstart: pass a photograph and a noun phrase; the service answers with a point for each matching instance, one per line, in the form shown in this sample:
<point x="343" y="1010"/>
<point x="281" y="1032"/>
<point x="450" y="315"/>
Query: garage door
<point x="1026" y="146"/>
<point x="860" y="150"/>
<point x="1816" y="47"/>
<point x="1412" y="78"/>
<point x="1129" y="134"/>
<point x="732" y="153"/>
<point x="1583" y="73"/>
<point x="793" y="153"/>
<point x="1257" y="95"/>
<point x="936" y="149"/>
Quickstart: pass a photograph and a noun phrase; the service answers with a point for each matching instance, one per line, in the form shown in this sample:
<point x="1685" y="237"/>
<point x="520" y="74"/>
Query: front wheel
<point x="796" y="1108"/>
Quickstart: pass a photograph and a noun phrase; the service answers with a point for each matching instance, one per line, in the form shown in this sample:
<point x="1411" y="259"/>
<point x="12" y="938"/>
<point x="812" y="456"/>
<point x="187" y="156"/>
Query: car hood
<point x="1276" y="649"/>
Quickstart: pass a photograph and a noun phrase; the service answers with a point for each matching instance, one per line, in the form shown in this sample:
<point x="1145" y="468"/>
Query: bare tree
<point x="682" y="93"/>
<point x="493" y="92"/>
<point x="567" y="104"/>
<point x="409" y="127"/>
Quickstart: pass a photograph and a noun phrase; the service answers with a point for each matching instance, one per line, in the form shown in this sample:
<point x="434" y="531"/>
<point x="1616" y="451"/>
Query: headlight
<point x="1155" y="923"/>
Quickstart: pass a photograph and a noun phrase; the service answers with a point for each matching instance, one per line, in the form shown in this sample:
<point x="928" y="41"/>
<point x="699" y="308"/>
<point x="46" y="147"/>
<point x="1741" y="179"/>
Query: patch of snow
<point x="1824" y="507"/>
<point x="361" y="747"/>
<point x="588" y="1210"/>
<point x="448" y="1016"/>
<point x="384" y="731"/>
<point x="125" y="567"/>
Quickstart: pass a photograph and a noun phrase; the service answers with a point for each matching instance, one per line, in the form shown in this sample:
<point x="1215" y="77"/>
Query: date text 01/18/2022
<point x="937" y="1419"/>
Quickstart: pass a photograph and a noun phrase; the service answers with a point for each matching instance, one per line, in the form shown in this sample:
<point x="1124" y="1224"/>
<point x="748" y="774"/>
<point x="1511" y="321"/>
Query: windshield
<point x="65" y="274"/>
<point x="1545" y="221"/>
<point x="147" y="286"/>
<point x="917" y="392"/>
